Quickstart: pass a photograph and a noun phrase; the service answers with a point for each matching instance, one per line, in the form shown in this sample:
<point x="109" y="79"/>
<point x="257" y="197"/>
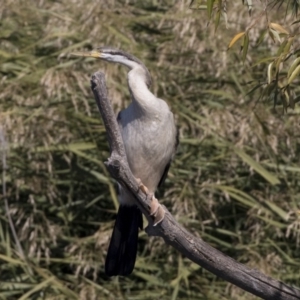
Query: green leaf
<point x="295" y="73"/>
<point x="37" y="288"/>
<point x="236" y="38"/>
<point x="67" y="147"/>
<point x="270" y="66"/>
<point x="257" y="167"/>
<point x="236" y="194"/>
<point x="217" y="19"/>
<point x="210" y="4"/>
<point x="276" y="209"/>
<point x="278" y="28"/>
<point x="294" y="65"/>
<point x="245" y="46"/>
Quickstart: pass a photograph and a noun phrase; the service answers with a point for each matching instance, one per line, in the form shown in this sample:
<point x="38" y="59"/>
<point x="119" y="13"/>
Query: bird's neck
<point x="142" y="98"/>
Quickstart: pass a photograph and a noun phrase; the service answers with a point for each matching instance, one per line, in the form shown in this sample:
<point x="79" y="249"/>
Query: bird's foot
<point x="156" y="210"/>
<point x="142" y="187"/>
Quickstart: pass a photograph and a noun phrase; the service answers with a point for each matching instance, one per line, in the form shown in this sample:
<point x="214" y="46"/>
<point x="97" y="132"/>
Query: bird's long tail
<point x="122" y="249"/>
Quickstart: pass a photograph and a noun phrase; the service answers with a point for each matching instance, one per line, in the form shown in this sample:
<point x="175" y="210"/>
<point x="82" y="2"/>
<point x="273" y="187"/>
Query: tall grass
<point x="235" y="179"/>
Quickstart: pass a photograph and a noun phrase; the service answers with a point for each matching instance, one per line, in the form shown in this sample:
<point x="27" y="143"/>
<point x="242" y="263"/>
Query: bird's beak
<point x="93" y="53"/>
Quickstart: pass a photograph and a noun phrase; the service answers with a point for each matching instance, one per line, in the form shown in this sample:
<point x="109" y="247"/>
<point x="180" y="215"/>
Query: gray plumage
<point x="150" y="138"/>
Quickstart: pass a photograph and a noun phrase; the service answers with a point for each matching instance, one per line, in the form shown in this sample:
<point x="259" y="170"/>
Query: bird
<point x="150" y="139"/>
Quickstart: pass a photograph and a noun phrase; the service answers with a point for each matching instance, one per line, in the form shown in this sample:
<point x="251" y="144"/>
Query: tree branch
<point x="169" y="229"/>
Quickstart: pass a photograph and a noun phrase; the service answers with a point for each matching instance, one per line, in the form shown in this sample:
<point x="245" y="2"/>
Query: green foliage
<point x="282" y="84"/>
<point x="235" y="179"/>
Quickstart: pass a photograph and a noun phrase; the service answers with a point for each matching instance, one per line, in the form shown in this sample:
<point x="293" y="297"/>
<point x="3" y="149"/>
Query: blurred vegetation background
<point x="235" y="179"/>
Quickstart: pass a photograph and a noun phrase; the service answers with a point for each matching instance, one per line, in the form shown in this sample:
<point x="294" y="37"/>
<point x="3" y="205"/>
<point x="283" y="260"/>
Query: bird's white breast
<point x="149" y="142"/>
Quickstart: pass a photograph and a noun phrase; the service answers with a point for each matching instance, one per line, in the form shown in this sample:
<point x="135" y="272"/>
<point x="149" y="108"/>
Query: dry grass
<point x="222" y="185"/>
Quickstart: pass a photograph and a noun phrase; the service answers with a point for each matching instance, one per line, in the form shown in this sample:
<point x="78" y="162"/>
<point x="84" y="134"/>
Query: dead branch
<point x="169" y="229"/>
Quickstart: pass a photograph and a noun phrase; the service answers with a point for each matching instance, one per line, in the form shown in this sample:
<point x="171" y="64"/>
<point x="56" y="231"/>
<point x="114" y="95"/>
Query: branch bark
<point x="169" y="229"/>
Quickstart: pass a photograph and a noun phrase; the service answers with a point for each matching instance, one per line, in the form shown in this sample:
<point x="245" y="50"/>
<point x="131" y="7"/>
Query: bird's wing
<point x="166" y="170"/>
<point x="165" y="174"/>
<point x="119" y="121"/>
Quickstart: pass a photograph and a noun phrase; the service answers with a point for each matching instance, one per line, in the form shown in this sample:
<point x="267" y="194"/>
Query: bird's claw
<point x="142" y="187"/>
<point x="156" y="210"/>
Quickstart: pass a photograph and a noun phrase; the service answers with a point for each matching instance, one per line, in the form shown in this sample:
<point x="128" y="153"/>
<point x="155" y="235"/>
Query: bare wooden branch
<point x="170" y="230"/>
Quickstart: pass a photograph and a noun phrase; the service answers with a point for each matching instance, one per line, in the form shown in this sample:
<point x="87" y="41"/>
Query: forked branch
<point x="169" y="229"/>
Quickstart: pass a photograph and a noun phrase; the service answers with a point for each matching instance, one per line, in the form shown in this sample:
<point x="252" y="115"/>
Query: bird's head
<point x="117" y="56"/>
<point x="108" y="54"/>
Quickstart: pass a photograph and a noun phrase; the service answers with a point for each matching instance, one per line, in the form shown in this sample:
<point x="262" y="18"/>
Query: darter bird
<point x="150" y="139"/>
